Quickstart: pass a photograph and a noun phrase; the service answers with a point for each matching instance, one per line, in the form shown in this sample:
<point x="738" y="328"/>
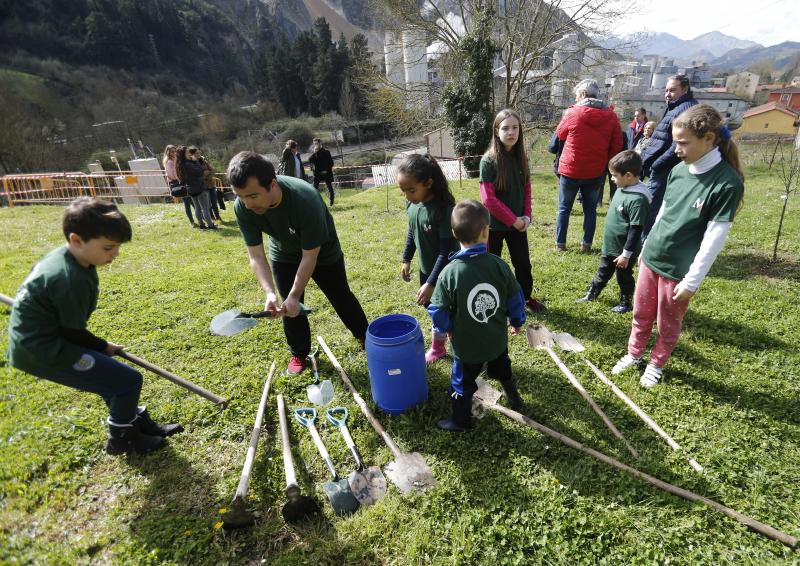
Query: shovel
<point x="234" y="321"/>
<point x="540" y="337"/>
<point x="298" y="506"/>
<point x="766" y="530"/>
<point x="368" y="485"/>
<point x="338" y="490"/>
<point x="6" y="299"/>
<point x="319" y="393"/>
<point x="237" y="514"/>
<point x="569" y="343"/>
<point x="408" y="471"/>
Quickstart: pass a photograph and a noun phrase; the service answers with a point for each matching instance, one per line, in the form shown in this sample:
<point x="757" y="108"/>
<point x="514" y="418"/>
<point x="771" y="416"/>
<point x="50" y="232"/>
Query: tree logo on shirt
<point x="698" y="204"/>
<point x="291" y="230"/>
<point x="482" y="302"/>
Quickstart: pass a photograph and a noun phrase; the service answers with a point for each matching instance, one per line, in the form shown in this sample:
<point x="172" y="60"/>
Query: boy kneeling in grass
<point x="47" y="335"/>
<point x="627" y="215"/>
<point x="476" y="296"/>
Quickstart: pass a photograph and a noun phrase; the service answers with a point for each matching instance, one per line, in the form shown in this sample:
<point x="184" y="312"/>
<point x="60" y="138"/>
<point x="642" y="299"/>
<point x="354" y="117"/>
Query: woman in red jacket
<point x="591" y="135"/>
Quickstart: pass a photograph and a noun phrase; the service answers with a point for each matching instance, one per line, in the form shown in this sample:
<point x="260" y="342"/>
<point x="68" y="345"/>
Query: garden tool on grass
<point x="487" y="395"/>
<point x="298" y="506"/>
<point x="319" y="392"/>
<point x="368" y="485"/>
<point x="569" y="343"/>
<point x="234" y="321"/>
<point x="408" y="471"/>
<point x="237" y="514"/>
<point x="338" y="490"/>
<point x="541" y="338"/>
<point x="186" y="384"/>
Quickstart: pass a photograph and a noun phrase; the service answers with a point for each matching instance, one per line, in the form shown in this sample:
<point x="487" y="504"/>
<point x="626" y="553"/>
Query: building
<point x="699" y="75"/>
<point x="742" y="84"/>
<point x="789" y="97"/>
<point x="729" y="105"/>
<point x="769" y="119"/>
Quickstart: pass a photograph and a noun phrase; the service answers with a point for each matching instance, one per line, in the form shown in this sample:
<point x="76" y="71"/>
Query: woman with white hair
<point x="591" y="135"/>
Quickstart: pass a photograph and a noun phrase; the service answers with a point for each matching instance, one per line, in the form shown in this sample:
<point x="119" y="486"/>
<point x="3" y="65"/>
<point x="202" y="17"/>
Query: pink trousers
<point x="653" y="303"/>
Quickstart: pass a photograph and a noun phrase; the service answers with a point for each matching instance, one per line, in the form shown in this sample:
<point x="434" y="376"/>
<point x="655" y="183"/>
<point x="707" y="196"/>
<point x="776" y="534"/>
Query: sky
<point x="767" y="22"/>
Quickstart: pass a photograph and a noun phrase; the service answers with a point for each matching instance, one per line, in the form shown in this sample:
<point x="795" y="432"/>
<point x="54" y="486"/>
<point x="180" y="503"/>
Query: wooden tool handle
<point x="6" y="299"/>
<point x="244" y="480"/>
<point x="194" y="388"/>
<point x="288" y="463"/>
<point x="360" y="401"/>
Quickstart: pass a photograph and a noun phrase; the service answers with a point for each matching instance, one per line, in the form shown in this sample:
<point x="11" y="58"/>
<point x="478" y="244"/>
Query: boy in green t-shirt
<point x="475" y="298"/>
<point x="47" y="335"/>
<point x="627" y="215"/>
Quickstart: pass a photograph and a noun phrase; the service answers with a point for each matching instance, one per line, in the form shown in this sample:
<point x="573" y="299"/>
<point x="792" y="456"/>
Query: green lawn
<point x="506" y="494"/>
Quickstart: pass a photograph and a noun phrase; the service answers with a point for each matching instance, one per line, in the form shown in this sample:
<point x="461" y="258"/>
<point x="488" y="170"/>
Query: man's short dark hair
<point x="469" y="218"/>
<point x="627" y="161"/>
<point x="642" y="111"/>
<point x="682" y="79"/>
<point x="91" y="217"/>
<point x="317" y="140"/>
<point x="246" y="164"/>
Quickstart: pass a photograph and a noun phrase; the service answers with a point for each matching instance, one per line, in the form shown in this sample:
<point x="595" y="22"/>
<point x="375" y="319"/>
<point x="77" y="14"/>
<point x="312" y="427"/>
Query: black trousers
<point x="606" y="271"/>
<point x="328" y="183"/>
<point x="332" y="281"/>
<point x="462" y="380"/>
<point x="519" y="253"/>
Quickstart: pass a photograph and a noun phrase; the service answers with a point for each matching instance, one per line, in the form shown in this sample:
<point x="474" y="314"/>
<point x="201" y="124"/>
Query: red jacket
<point x="592" y="136"/>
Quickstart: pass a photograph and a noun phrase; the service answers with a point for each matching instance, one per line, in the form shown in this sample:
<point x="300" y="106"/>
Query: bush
<point x="300" y="133"/>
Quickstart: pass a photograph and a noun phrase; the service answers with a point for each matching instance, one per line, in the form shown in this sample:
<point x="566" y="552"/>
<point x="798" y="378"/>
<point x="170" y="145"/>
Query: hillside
<point x="783" y="57"/>
<point x="703" y="48"/>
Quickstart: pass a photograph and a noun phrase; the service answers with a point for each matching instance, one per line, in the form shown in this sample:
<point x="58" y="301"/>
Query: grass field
<point x="506" y="494"/>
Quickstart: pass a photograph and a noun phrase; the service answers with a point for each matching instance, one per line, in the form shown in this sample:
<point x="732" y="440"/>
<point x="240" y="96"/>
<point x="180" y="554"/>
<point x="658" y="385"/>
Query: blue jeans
<point x="118" y="384"/>
<point x="590" y="190"/>
<point x="657" y="185"/>
<point x="187" y="206"/>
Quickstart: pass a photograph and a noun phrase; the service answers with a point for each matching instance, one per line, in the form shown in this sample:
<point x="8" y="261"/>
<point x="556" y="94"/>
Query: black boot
<point x="591" y="294"/>
<point x="625" y="304"/>
<point x="128" y="438"/>
<point x="150" y="427"/>
<point x="512" y="395"/>
<point x="461" y="418"/>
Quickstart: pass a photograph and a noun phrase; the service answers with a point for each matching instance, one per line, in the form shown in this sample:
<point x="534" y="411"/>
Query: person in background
<point x="322" y="167"/>
<point x="169" y="162"/>
<point x="211" y="189"/>
<point x="592" y="136"/>
<point x="647" y="135"/>
<point x="190" y="172"/>
<point x="636" y="127"/>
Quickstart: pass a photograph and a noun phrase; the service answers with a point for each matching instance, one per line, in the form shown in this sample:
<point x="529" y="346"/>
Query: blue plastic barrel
<point x="396" y="362"/>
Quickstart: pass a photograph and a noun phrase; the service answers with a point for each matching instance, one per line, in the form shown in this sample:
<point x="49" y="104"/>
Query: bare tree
<point x="787" y="166"/>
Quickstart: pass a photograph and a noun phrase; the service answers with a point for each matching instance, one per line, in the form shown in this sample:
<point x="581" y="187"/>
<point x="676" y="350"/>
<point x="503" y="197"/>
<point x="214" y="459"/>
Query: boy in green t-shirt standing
<point x="475" y="298"/>
<point x="47" y="335"/>
<point x="627" y="215"/>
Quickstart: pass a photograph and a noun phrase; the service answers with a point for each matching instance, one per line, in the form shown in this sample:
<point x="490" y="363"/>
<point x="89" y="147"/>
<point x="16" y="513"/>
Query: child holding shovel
<point x="47" y="335"/>
<point x="703" y="195"/>
<point x="475" y="298"/>
<point x="430" y="204"/>
<point x="627" y="215"/>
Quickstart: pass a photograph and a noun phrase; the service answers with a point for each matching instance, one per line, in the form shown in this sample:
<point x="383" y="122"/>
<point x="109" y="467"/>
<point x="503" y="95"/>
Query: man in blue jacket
<point x="659" y="157"/>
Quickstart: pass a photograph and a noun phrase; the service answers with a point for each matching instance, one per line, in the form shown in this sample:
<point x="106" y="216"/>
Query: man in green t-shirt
<point x="475" y="298"/>
<point x="303" y="245"/>
<point x="47" y="334"/>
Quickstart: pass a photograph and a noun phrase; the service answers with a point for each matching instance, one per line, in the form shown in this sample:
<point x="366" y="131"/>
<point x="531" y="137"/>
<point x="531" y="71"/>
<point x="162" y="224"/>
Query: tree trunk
<point x="780" y="227"/>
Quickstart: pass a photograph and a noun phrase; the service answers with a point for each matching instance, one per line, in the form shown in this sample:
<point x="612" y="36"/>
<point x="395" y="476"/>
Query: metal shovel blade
<point x="320" y="393"/>
<point x="237" y="515"/>
<point x="231" y="322"/>
<point x="409" y="472"/>
<point x="368" y="485"/>
<point x="539" y="336"/>
<point x="298" y="507"/>
<point x="341" y="497"/>
<point x="568" y="342"/>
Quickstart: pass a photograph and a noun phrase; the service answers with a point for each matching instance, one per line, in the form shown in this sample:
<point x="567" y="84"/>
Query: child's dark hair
<point x="424" y="167"/>
<point x="701" y="119"/>
<point x="91" y="217"/>
<point x="499" y="154"/>
<point x="246" y="164"/>
<point x="469" y="218"/>
<point x="627" y="161"/>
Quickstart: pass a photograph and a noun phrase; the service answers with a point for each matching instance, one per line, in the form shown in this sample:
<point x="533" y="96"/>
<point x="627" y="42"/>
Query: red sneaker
<point x="534" y="306"/>
<point x="296" y="365"/>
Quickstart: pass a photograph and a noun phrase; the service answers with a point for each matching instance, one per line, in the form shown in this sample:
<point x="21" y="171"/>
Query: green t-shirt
<point x="300" y="222"/>
<point x="628" y="208"/>
<point x="690" y="203"/>
<point x="476" y="290"/>
<point x="429" y="222"/>
<point x="58" y="293"/>
<point x="514" y="195"/>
